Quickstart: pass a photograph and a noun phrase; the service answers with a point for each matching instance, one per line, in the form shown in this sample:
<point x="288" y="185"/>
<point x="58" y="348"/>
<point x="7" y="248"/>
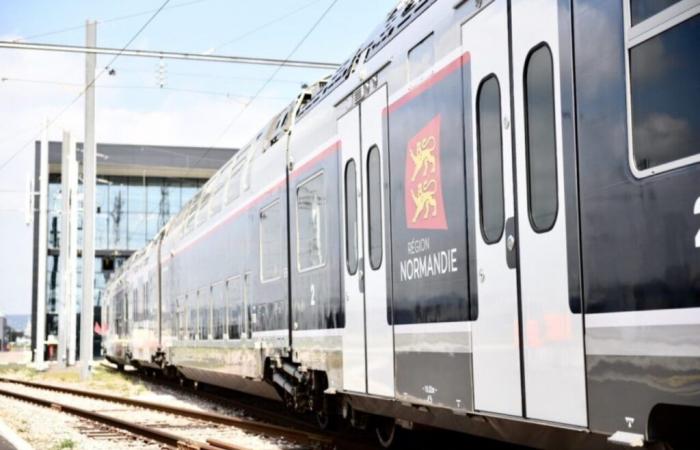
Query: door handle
<point x="361" y="280"/>
<point x="511" y="254"/>
<point x="510" y="242"/>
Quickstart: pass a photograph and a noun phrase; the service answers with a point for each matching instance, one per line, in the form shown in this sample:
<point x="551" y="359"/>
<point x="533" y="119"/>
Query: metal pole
<point x="40" y="331"/>
<point x="169" y="55"/>
<point x="67" y="154"/>
<point x="89" y="180"/>
<point x="73" y="259"/>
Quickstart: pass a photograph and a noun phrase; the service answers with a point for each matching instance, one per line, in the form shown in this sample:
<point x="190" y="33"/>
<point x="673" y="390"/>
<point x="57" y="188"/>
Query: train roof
<point x="405" y="12"/>
<point x="402" y="15"/>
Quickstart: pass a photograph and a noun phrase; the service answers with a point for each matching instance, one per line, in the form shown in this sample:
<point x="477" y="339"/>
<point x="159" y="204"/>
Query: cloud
<point x="125" y="113"/>
<point x="663" y="135"/>
<point x="130" y="116"/>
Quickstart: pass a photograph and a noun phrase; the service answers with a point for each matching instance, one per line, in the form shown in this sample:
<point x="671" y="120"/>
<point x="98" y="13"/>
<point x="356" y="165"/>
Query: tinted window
<point x="311" y="223"/>
<point x="374" y="203"/>
<point x="665" y="94"/>
<point x="204" y="313"/>
<point x="490" y="153"/>
<point x="218" y="317"/>
<point x="192" y="322"/>
<point x="643" y="9"/>
<point x="421" y="57"/>
<point x="234" y="306"/>
<point x="541" y="140"/>
<point x="351" y="217"/>
<point x="271" y="252"/>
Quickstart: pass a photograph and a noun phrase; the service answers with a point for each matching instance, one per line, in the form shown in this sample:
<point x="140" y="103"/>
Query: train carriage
<point x="486" y="220"/>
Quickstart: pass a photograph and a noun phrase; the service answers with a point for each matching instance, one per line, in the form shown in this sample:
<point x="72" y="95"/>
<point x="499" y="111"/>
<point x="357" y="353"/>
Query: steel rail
<point x="158" y="54"/>
<point x="150" y="433"/>
<point x="250" y="425"/>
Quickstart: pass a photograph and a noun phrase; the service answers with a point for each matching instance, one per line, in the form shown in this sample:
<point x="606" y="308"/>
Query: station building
<point x="139" y="187"/>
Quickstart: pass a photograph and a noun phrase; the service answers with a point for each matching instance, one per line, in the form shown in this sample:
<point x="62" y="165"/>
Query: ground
<point x="102" y="379"/>
<point x="46" y="429"/>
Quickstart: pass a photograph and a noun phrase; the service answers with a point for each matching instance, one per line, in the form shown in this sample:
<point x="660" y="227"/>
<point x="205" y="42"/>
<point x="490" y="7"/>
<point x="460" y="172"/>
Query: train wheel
<point x="324" y="421"/>
<point x="387" y="432"/>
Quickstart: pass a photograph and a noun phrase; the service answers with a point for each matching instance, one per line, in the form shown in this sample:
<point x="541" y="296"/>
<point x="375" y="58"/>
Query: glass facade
<point x="129" y="213"/>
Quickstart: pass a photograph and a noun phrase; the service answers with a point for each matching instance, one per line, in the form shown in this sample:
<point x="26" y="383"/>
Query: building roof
<point x="150" y="160"/>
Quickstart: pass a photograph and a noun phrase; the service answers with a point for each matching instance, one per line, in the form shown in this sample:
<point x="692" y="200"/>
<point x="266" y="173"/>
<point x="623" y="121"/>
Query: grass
<point x="65" y="443"/>
<point x="102" y="379"/>
<point x="17" y="371"/>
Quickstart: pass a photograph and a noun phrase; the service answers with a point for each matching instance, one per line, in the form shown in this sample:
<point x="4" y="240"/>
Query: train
<point x="487" y="220"/>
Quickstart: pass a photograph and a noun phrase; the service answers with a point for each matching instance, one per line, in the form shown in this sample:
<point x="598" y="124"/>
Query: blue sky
<point x="196" y="26"/>
<point x="200" y="99"/>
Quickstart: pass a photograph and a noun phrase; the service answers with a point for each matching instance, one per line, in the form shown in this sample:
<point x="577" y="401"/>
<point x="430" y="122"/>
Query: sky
<point x="199" y="104"/>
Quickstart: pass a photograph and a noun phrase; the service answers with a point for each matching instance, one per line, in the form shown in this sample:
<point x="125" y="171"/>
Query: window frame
<point x="635" y="35"/>
<point x="555" y="125"/>
<point x="479" y="156"/>
<point x="270" y="205"/>
<point x="324" y="254"/>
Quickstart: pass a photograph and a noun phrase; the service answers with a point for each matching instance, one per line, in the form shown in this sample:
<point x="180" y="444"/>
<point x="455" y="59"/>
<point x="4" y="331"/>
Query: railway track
<point x="172" y="426"/>
<point x="258" y="408"/>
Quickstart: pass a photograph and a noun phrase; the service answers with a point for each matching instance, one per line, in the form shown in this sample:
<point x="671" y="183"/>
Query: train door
<point x="495" y="335"/>
<point x="553" y="359"/>
<point x="368" y="362"/>
<point x="527" y="344"/>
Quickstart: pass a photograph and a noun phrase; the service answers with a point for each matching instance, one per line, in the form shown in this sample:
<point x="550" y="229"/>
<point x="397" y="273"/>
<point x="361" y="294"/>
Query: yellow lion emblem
<point x="424" y="199"/>
<point x="423" y="157"/>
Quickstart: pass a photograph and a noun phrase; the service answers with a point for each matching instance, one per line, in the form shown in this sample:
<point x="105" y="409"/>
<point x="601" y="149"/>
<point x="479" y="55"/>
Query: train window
<point x="641" y="10"/>
<point x="204" y="302"/>
<point x="271" y="251"/>
<point x="234" y="306"/>
<point x="218" y="317"/>
<point x="374" y="207"/>
<point x="189" y="225"/>
<point x="234" y="186"/>
<point x="193" y="319"/>
<point x="202" y="208"/>
<point x="664" y="91"/>
<point x="541" y="149"/>
<point x="421" y="57"/>
<point x="311" y="223"/>
<point x="180" y="318"/>
<point x="217" y="195"/>
<point x="490" y="154"/>
<point x="138" y="309"/>
<point x="351" y="217"/>
<point x="146" y="310"/>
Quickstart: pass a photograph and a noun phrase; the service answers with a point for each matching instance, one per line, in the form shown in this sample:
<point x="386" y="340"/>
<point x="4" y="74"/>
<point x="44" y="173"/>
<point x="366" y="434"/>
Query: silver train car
<point x="486" y="220"/>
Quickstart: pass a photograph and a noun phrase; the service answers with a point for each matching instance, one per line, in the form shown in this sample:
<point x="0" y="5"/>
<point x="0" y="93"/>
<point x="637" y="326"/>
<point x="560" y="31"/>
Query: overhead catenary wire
<point x="105" y="21"/>
<point x="263" y="26"/>
<point x="82" y="92"/>
<point x="209" y="75"/>
<point x="269" y="79"/>
<point x="162" y="54"/>
<point x="229" y="95"/>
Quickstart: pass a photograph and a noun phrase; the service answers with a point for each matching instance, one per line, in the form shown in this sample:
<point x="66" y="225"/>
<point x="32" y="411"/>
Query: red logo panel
<point x="423" y="184"/>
